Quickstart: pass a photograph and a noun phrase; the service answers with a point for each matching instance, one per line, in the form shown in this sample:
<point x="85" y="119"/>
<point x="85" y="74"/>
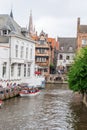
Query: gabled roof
<point x="7" y="22"/>
<point x="4" y="39"/>
<point x="35" y="38"/>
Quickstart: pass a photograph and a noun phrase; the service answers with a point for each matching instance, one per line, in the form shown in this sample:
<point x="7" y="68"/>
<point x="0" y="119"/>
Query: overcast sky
<point x="54" y="17"/>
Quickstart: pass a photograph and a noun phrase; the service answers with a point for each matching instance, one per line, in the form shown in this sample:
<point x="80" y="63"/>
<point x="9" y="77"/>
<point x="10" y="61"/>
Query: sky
<point x="57" y="18"/>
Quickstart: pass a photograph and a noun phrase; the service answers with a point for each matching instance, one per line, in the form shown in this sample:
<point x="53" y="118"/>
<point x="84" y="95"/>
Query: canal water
<point x="56" y="108"/>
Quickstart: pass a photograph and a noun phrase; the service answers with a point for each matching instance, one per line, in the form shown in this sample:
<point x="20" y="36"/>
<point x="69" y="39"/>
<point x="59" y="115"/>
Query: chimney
<point x="78" y="25"/>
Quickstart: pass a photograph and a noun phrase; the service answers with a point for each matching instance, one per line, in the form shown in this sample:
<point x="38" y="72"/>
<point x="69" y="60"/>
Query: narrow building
<point x="81" y="35"/>
<point x="66" y="53"/>
<point x="46" y="50"/>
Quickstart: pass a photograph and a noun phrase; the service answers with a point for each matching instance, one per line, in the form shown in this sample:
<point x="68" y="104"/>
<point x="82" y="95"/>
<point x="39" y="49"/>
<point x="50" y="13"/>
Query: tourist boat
<point x="24" y="93"/>
<point x="6" y="93"/>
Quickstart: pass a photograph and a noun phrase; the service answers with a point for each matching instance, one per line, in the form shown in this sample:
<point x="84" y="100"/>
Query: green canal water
<point x="56" y="108"/>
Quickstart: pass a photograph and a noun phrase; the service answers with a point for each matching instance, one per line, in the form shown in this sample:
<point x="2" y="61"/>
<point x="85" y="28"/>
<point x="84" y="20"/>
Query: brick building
<point x="46" y="50"/>
<point x="81" y="35"/>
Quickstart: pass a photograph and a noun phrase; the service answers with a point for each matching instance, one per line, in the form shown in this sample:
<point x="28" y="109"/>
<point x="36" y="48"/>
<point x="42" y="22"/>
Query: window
<point x="37" y="50"/>
<point x="22" y="51"/>
<point x="43" y="59"/>
<point x="42" y="51"/>
<point x="28" y="70"/>
<point x="19" y="69"/>
<point x="84" y="42"/>
<point x="60" y="57"/>
<point x="0" y="32"/>
<point x="70" y="48"/>
<point x="67" y="57"/>
<point x="26" y="52"/>
<point x="4" y="69"/>
<point x="40" y="59"/>
<point x="16" y="51"/>
<point x="41" y="41"/>
<point x="4" y="32"/>
<point x="45" y="70"/>
<point x="12" y="70"/>
<point x="31" y="53"/>
<point x="61" y="48"/>
<point x="24" y="70"/>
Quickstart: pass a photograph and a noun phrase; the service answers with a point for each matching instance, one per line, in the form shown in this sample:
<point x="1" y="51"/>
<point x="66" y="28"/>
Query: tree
<point x="77" y="76"/>
<point x="51" y="68"/>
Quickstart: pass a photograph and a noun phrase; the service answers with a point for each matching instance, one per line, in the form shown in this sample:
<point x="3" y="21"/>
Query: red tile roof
<point x="53" y="42"/>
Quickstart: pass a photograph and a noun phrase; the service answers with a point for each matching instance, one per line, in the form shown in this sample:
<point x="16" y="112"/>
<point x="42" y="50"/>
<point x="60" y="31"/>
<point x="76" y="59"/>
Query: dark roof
<point x="83" y="29"/>
<point x="4" y="39"/>
<point x="7" y="22"/>
<point x="67" y="42"/>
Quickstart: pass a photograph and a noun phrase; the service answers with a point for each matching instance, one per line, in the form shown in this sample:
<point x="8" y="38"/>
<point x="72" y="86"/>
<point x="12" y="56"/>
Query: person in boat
<point x="8" y="85"/>
<point x="14" y="85"/>
<point x="36" y="89"/>
<point x="1" y="86"/>
<point x="32" y="90"/>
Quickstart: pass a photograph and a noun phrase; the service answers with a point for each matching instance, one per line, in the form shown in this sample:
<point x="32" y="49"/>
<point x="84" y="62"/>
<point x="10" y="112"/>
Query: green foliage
<point x="77" y="76"/>
<point x="51" y="65"/>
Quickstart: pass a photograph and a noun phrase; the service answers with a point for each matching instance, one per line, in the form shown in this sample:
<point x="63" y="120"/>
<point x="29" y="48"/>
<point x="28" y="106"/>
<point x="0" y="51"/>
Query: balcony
<point x="20" y="61"/>
<point x="42" y="54"/>
<point x="42" y="64"/>
<point x="42" y="46"/>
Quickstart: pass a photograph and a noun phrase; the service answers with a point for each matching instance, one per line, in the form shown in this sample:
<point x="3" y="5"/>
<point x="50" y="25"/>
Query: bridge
<point x="56" y="78"/>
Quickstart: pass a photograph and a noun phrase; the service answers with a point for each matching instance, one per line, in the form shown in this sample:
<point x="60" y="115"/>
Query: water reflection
<point x="79" y="114"/>
<point x="56" y="108"/>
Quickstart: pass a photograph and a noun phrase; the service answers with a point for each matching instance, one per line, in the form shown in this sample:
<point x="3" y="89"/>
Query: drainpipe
<point x="9" y="56"/>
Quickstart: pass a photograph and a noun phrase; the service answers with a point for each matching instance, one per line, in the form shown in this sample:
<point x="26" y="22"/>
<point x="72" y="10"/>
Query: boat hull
<point x="22" y="94"/>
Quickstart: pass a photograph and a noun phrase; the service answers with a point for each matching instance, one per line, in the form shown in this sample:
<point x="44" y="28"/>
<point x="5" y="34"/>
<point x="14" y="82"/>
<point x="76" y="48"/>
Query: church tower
<point x="30" y="28"/>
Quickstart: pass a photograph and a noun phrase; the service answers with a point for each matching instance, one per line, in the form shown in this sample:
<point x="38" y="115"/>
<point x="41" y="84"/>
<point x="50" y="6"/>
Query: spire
<point x="30" y="28"/>
<point x="11" y="14"/>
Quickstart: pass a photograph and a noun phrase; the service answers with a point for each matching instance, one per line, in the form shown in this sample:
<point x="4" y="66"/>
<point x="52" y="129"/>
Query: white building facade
<point x="66" y="53"/>
<point x="17" y="52"/>
<point x="65" y="59"/>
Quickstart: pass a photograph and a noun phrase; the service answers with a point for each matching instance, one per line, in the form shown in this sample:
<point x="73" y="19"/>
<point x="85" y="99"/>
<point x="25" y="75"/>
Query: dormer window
<point x="4" y="32"/>
<point x="61" y="48"/>
<point x="70" y="48"/>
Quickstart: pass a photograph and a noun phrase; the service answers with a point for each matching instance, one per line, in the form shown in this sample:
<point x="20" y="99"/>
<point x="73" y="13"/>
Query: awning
<point x="37" y="72"/>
